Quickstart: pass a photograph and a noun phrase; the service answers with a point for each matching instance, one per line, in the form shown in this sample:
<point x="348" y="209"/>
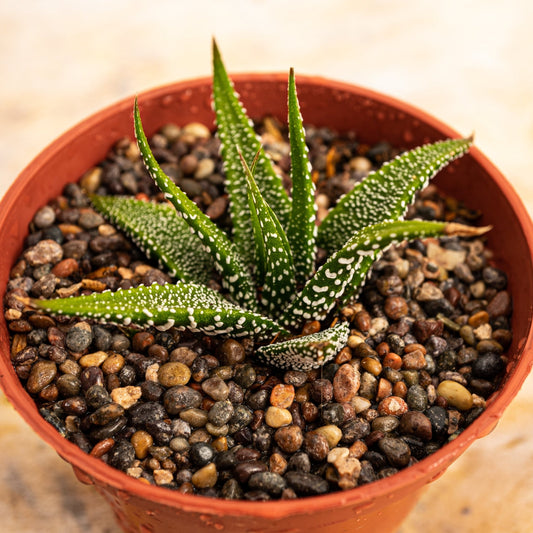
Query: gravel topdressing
<point x="197" y="414"/>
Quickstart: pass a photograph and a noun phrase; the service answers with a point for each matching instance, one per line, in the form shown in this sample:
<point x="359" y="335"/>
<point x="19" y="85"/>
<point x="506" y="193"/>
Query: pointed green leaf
<point x="183" y="305"/>
<point x="386" y="194"/>
<point x="302" y="229"/>
<point x="236" y="277"/>
<point x="343" y="273"/>
<point x="273" y="247"/>
<point x="306" y="353"/>
<point x="236" y="129"/>
<point x="160" y="232"/>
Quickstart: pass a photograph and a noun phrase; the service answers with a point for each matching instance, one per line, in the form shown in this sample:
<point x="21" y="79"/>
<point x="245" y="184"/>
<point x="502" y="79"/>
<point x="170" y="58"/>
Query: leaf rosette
<point x="271" y="283"/>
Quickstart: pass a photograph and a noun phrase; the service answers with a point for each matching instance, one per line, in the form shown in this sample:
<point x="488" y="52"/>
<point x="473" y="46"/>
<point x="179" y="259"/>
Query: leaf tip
<point x="462" y="230"/>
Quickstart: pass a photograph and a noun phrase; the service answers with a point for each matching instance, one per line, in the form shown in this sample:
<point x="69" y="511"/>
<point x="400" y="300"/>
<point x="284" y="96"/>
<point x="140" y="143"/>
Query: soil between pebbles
<point x="195" y="413"/>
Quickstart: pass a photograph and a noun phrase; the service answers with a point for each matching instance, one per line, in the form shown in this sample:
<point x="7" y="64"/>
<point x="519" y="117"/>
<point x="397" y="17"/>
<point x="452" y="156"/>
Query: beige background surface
<point x="467" y="62"/>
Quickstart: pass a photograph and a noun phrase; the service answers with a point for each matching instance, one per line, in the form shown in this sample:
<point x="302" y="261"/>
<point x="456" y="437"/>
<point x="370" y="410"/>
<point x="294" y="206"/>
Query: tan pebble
<point x="92" y="359"/>
<point x="278" y="464"/>
<point x="134" y="471"/>
<point x="205" y="168"/>
<point x="91" y="180"/>
<point x="456" y="394"/>
<point x="42" y="373"/>
<point x="415" y="346"/>
<point x="143" y="269"/>
<point x="343" y="356"/>
<point x="478" y="401"/>
<point x="106" y="230"/>
<point x="12" y="314"/>
<point x="360" y="164"/>
<point x="282" y="395"/>
<point x="322" y="200"/>
<point x="372" y="365"/>
<point x="206" y="477"/>
<point x="277" y="417"/>
<point x="196" y="129"/>
<point x="113" y="364"/>
<point x="217" y="431"/>
<point x="65" y="292"/>
<point x="125" y="273"/>
<point x="195" y="417"/>
<point x="483" y="332"/>
<point x="151" y="373"/>
<point x="173" y="373"/>
<point x="126" y="396"/>
<point x="393" y="405"/>
<point x="354" y="340"/>
<point x="478" y="289"/>
<point x="141" y="441"/>
<point x="378" y="325"/>
<point x="338" y="454"/>
<point x="349" y="471"/>
<point x="360" y="404"/>
<point x="163" y="477"/>
<point x="93" y="285"/>
<point x="332" y="433"/>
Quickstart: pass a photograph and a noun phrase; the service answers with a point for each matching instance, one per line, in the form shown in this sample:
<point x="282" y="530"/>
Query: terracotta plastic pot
<point x="380" y="506"/>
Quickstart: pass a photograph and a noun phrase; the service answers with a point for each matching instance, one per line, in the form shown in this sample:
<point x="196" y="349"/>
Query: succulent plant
<point x="271" y="283"/>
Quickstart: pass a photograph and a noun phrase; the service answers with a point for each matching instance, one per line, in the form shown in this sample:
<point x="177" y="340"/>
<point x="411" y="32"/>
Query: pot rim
<point x="412" y="477"/>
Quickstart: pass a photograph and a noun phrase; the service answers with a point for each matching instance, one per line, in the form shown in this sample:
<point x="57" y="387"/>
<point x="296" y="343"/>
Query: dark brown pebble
<point x="500" y="305"/>
<point x="41" y="375"/>
<point x="232" y="352"/>
<point x="289" y="438"/>
<point x="243" y="471"/>
<point x="316" y="446"/>
<point x="416" y="423"/>
<point x="424" y="329"/>
<point x="321" y="391"/>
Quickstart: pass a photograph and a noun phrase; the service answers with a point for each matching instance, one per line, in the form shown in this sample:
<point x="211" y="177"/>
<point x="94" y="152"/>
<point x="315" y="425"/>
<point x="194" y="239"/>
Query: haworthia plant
<point x="271" y="284"/>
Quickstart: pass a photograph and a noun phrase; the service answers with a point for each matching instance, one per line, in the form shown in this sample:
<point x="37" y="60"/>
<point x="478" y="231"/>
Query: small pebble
<point x="455" y="394"/>
<point x="277" y="417"/>
<point x="126" y="396"/>
<point x="173" y="373"/>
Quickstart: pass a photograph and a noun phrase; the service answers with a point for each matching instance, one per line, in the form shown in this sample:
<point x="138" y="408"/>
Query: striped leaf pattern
<point x="308" y="352"/>
<point x="236" y="133"/>
<point x="277" y="268"/>
<point x="160" y="232"/>
<point x="302" y="229"/>
<point x="180" y="305"/>
<point x="236" y="277"/>
<point x="386" y="194"/>
<point x="344" y="272"/>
